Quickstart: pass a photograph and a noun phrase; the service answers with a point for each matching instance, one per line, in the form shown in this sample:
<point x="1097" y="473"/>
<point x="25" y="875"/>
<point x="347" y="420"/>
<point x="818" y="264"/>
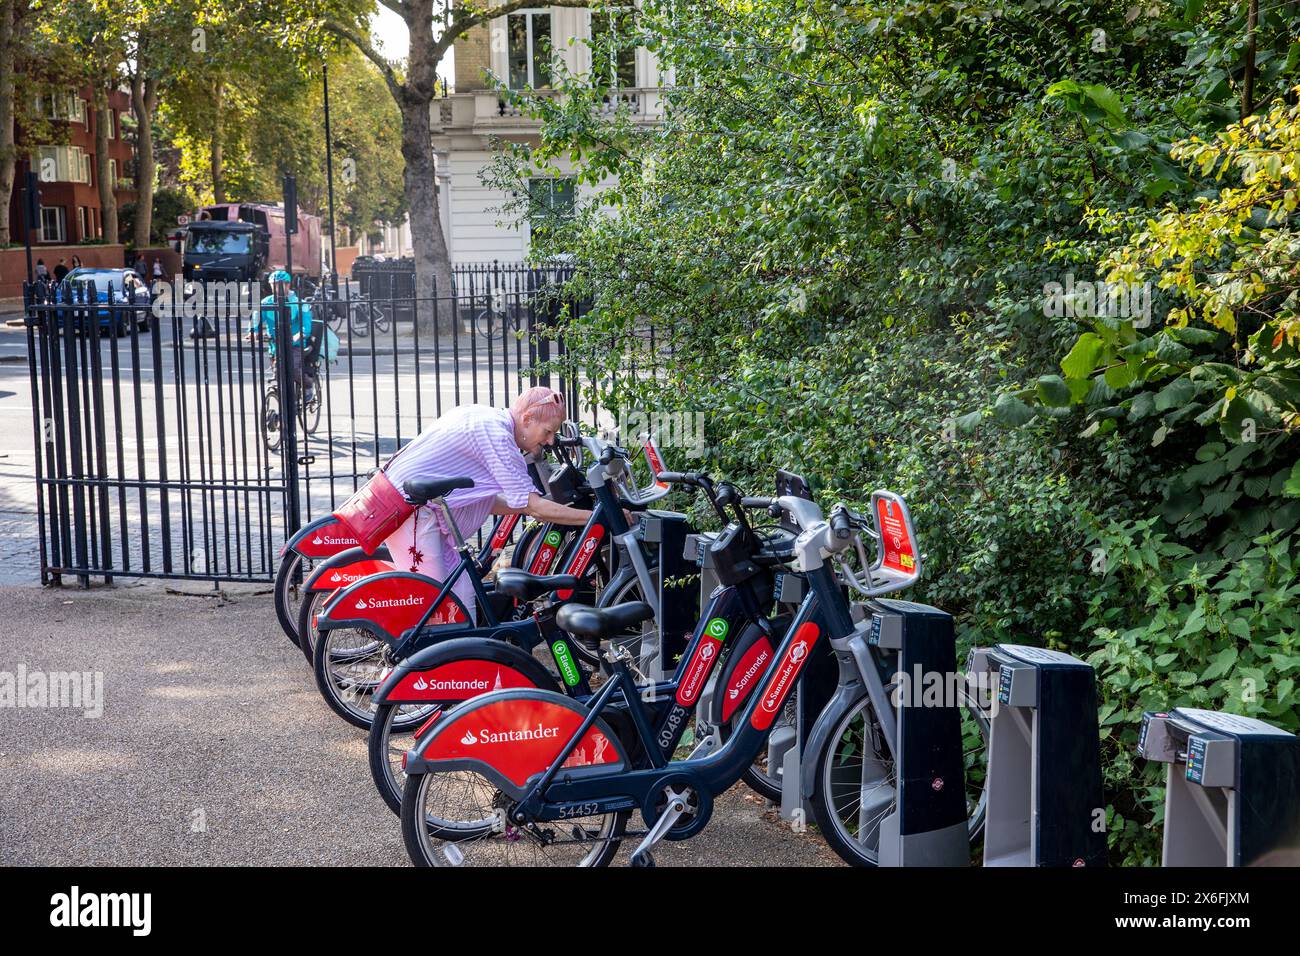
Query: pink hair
<point x="546" y="403"/>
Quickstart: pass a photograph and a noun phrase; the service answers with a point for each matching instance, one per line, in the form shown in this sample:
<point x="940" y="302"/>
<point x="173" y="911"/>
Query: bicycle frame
<point x="547" y="798"/>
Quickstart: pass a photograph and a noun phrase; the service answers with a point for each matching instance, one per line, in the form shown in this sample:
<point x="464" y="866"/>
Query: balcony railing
<point x="486" y="111"/>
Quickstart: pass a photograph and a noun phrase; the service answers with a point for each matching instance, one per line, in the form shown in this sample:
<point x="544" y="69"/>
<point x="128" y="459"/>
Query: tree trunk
<point x="144" y="97"/>
<point x="432" y="263"/>
<point x="218" y="177"/>
<point x="8" y="156"/>
<point x="107" y="201"/>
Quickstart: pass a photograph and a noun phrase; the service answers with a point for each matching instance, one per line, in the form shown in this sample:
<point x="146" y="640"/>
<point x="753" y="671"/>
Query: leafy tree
<point x="847" y="250"/>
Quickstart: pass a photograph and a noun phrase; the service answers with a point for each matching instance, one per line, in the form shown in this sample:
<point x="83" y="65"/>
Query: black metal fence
<point x="170" y="444"/>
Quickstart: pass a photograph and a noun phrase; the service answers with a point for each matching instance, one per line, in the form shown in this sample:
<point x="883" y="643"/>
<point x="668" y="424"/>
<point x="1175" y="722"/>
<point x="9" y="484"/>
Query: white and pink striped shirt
<point x="476" y="442"/>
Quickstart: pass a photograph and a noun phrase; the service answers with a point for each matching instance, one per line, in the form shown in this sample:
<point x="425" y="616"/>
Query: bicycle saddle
<point x="599" y="623"/>
<point x="421" y="490"/>
<point x="527" y="587"/>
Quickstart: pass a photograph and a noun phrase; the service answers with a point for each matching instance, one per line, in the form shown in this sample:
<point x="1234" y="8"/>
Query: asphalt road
<point x="214" y="747"/>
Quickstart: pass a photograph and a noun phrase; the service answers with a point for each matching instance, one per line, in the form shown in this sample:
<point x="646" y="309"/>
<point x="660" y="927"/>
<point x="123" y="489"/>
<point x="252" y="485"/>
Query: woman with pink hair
<point x="487" y="445"/>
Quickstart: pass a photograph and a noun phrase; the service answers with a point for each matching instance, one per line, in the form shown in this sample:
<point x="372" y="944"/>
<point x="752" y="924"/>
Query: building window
<point x="528" y="49"/>
<point x="81" y="223"/>
<point x="54" y="226"/>
<point x="613" y="49"/>
<point x="112" y="124"/>
<point x="112" y="174"/>
<point x="62" y="164"/>
<point x="550" y="203"/>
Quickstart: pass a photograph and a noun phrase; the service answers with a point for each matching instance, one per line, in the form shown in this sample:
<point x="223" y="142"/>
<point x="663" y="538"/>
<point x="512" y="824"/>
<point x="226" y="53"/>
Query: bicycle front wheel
<point x="271" y="421"/>
<point x="484" y="837"/>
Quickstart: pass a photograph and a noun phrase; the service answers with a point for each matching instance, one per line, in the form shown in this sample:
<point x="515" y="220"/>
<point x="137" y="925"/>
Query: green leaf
<point x="1053" y="391"/>
<point x="1119" y="376"/>
<point x="1292" y="487"/>
<point x="1011" y="411"/>
<point x="1176" y="394"/>
<point x="1107" y="100"/>
<point x="1220" y="664"/>
<point x="1083" y="357"/>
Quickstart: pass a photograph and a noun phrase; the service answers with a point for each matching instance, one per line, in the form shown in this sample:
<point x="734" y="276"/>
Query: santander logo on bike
<point x="777" y="688"/>
<point x="746" y="677"/>
<point x="486" y="735"/>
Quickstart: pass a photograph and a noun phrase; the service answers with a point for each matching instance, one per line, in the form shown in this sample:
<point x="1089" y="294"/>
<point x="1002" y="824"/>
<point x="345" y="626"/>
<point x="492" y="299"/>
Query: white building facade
<point x="469" y="122"/>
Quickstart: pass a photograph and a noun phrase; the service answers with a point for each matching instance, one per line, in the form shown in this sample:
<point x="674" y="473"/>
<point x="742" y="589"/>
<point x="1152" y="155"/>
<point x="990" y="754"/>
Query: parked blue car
<point x="126" y="287"/>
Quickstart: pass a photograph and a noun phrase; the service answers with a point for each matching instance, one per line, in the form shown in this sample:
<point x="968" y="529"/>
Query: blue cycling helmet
<point x="279" y="275"/>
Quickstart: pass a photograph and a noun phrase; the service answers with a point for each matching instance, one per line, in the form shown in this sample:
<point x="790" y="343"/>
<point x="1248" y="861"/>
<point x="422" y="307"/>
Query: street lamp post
<point x="329" y="179"/>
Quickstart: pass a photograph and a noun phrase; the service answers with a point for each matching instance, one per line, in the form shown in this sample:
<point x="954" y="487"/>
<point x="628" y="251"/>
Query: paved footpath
<point x="215" y="748"/>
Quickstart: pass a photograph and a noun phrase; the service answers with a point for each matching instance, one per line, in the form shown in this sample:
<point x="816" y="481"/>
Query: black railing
<point x="162" y="439"/>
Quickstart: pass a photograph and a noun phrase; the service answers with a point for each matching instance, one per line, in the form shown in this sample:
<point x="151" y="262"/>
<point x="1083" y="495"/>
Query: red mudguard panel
<point x="349" y="574"/>
<point x="746" y="675"/>
<point x="456" y="681"/>
<point x="784" y="675"/>
<point x="520" y="737"/>
<point x="394" y="601"/>
<point x="328" y="539"/>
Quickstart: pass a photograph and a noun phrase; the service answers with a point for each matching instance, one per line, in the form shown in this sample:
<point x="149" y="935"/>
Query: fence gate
<point x="169" y="445"/>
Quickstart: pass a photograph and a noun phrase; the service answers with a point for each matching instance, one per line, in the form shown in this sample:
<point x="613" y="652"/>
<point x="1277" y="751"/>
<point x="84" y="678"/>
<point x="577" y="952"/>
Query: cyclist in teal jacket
<point x="300" y="320"/>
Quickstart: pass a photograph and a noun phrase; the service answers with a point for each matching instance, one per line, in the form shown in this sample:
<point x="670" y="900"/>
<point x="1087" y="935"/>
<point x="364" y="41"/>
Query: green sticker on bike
<point x="553" y="538"/>
<point x="717" y="629"/>
<point x="564" y="660"/>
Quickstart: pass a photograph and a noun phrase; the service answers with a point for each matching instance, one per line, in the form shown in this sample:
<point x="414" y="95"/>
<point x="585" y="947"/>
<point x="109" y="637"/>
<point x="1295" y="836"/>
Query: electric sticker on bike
<point x="746" y="675"/>
<point x="697" y="669"/>
<point x="455" y="681"/>
<point x="587" y="550"/>
<point x="546" y="553"/>
<point x="520" y="737"/>
<point x="784" y="676"/>
<point x="502" y="534"/>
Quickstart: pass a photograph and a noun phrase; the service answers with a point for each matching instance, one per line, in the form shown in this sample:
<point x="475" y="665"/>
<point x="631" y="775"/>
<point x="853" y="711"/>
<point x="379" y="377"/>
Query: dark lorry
<point x="243" y="241"/>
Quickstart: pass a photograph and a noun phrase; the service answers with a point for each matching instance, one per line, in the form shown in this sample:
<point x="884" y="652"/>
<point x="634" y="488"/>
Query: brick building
<point x="70" y="207"/>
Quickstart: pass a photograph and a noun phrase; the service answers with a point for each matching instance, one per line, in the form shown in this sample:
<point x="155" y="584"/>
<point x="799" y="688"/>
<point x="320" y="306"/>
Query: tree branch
<point x="363" y="44"/>
<point x="395" y="6"/>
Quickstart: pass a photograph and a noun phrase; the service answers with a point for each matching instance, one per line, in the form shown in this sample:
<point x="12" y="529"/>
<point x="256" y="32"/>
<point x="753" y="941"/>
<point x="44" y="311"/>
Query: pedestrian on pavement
<point x="487" y="445"/>
<point x="42" y="273"/>
<point x="61" y="270"/>
<point x="157" y="267"/>
<point x="76" y="262"/>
